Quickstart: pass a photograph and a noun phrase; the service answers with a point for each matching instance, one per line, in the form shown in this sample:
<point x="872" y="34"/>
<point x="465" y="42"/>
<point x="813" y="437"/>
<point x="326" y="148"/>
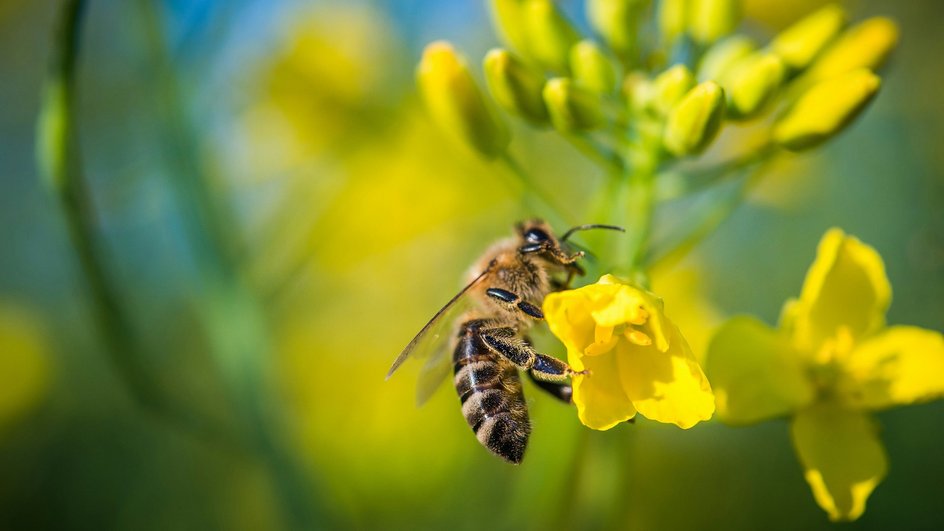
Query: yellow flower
<point x="831" y="363"/>
<point x="638" y="359"/>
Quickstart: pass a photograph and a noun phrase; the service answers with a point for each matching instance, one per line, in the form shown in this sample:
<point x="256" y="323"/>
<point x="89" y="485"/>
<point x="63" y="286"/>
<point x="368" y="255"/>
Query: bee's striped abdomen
<point x="492" y="400"/>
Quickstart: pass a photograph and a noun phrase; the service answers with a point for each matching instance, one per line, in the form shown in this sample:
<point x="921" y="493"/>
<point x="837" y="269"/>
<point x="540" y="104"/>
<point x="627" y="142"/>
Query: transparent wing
<point x="432" y="341"/>
<point x="439" y="360"/>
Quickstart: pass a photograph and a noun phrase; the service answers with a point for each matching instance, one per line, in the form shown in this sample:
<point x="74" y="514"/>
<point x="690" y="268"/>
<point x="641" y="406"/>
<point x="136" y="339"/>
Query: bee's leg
<point x="514" y="303"/>
<point x="561" y="391"/>
<point x="573" y="270"/>
<point x="505" y="343"/>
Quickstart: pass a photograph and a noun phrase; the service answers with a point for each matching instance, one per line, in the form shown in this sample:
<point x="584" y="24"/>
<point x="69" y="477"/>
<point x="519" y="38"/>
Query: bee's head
<point x="536" y="236"/>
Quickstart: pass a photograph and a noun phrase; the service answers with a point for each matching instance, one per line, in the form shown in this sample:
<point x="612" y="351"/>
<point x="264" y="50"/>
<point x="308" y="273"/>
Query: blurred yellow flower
<point x="832" y="361"/>
<point x="456" y="103"/>
<point x="865" y="45"/>
<point x="638" y="359"/>
<point x="24" y="364"/>
<point x="695" y="121"/>
<point x="826" y="109"/>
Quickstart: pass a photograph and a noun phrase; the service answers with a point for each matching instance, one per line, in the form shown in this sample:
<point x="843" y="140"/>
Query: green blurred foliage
<point x="355" y="221"/>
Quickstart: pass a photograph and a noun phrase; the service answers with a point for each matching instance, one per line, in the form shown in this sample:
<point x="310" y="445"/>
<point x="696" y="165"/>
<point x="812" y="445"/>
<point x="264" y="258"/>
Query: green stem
<point x="710" y="222"/>
<point x="707" y="177"/>
<point x="236" y="325"/>
<point x="60" y="161"/>
<point x="600" y="155"/>
<point x="633" y="204"/>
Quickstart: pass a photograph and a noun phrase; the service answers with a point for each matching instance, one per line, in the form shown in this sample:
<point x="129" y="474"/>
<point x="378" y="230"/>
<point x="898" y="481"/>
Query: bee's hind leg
<point x="561" y="391"/>
<point x="502" y="341"/>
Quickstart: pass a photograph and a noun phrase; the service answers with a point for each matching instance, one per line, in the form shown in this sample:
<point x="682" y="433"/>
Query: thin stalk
<point x="236" y="325"/>
<point x="708" y="225"/>
<point x="707" y="177"/>
<point x="598" y="154"/>
<point x="60" y="160"/>
<point x="633" y="204"/>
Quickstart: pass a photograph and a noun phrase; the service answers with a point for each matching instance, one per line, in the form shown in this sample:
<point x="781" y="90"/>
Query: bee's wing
<point x="435" y="349"/>
<point x="431" y="343"/>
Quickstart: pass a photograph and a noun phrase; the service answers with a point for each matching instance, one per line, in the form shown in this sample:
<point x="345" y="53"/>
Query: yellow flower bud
<point x="722" y="55"/>
<point x="670" y="87"/>
<point x="592" y="68"/>
<point x="638" y="89"/>
<point x="709" y="20"/>
<point x="508" y="19"/>
<point x="516" y="87"/>
<point x="673" y="16"/>
<point x="695" y="121"/>
<point x="617" y="22"/>
<point x="550" y="35"/>
<point x="455" y="101"/>
<point x="799" y="44"/>
<point x="825" y="109"/>
<point x="571" y="107"/>
<point x="865" y="45"/>
<point x="752" y="83"/>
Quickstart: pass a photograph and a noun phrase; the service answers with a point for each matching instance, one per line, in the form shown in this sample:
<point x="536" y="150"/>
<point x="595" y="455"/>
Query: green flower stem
<point x="597" y="153"/>
<point x="60" y="161"/>
<point x="633" y="204"/>
<point x="704" y="178"/>
<point x="720" y="212"/>
<point x="237" y="328"/>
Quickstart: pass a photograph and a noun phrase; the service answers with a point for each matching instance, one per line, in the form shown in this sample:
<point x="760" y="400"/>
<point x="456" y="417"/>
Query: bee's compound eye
<point x="536" y="236"/>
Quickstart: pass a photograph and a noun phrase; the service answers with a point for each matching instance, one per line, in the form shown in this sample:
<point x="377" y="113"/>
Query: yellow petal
<point x="568" y="316"/>
<point x="599" y="397"/>
<point x="842" y="457"/>
<point x="606" y="327"/>
<point x="666" y="386"/>
<point x="900" y="365"/>
<point x="845" y="292"/>
<point x="755" y="373"/>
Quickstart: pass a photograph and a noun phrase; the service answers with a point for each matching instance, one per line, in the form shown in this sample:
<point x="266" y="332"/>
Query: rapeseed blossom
<point x="637" y="358"/>
<point x="831" y="363"/>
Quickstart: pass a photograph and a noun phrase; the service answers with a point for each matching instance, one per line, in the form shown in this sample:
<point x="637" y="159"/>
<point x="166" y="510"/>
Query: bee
<point x="493" y="312"/>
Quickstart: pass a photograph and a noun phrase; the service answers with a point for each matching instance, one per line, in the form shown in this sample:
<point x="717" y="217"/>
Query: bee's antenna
<point x="589" y="227"/>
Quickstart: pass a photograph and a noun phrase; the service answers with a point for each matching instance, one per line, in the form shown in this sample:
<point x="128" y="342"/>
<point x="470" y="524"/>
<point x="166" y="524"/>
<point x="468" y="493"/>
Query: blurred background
<point x="278" y="218"/>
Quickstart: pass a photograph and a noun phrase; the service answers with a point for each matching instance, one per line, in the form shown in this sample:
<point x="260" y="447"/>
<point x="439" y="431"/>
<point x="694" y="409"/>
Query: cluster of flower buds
<point x="808" y="82"/>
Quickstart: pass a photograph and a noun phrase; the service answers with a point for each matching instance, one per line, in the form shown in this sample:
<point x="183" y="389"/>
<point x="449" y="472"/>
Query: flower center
<point x="826" y="369"/>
